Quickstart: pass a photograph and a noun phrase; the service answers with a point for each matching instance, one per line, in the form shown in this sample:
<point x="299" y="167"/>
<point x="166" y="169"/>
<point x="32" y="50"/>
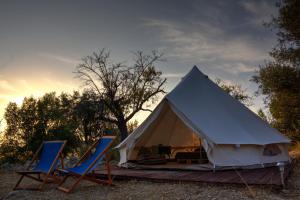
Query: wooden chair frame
<point x="85" y="175"/>
<point x="47" y="176"/>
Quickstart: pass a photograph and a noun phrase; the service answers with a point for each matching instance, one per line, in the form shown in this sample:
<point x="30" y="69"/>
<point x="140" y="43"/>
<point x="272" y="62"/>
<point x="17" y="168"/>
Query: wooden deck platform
<point x="263" y="176"/>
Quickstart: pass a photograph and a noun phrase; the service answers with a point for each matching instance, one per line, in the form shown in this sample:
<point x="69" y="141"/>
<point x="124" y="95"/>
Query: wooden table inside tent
<point x="182" y="150"/>
<point x="187" y="148"/>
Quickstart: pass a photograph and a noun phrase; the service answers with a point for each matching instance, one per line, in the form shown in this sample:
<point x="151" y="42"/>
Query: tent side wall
<point x="245" y="155"/>
<point x="167" y="127"/>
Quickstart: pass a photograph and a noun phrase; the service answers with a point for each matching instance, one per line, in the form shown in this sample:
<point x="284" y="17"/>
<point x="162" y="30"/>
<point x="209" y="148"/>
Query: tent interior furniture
<point x="198" y="114"/>
<point x="189" y="157"/>
<point x="159" y="154"/>
<point x="84" y="168"/>
<point x="46" y="159"/>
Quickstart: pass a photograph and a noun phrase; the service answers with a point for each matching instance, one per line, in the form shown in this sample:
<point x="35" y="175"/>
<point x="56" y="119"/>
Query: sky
<point x="41" y="42"/>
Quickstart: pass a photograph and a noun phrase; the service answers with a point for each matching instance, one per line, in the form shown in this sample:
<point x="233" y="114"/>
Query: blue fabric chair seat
<point x="47" y="156"/>
<point x="101" y="146"/>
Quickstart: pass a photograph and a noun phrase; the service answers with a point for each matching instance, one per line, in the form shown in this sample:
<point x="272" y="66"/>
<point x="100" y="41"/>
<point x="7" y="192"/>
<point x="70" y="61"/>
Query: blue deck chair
<point x="44" y="162"/>
<point x="84" y="168"/>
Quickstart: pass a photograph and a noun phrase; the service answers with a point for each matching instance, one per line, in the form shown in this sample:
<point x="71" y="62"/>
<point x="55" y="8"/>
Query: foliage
<point x="88" y="111"/>
<point x="287" y="24"/>
<point x="279" y="79"/>
<point x="132" y="126"/>
<point x="74" y="118"/>
<point x="235" y="91"/>
<point x="123" y="90"/>
<point x="262" y="115"/>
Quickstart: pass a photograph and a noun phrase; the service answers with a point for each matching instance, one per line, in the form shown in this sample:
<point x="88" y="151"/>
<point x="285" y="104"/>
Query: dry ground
<point x="149" y="190"/>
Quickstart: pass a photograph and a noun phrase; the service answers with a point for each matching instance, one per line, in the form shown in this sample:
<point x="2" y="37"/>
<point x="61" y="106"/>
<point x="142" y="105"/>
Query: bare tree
<point x="123" y="90"/>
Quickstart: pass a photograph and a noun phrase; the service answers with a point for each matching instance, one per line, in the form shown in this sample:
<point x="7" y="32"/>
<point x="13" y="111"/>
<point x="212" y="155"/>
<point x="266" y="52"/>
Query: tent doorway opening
<point x="168" y="143"/>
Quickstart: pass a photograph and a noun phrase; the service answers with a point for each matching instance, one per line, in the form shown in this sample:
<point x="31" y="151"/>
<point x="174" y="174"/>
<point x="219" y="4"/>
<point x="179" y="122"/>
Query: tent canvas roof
<point x="213" y="114"/>
<point x="217" y="115"/>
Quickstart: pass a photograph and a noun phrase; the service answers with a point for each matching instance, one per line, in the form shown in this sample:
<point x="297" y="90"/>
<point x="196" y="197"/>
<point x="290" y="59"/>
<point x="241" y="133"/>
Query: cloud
<point x="60" y="58"/>
<point x="207" y="44"/>
<point x="8" y="61"/>
<point x="236" y="68"/>
<point x="6" y="86"/>
<point x="157" y="23"/>
<point x="245" y="68"/>
<point x="25" y="84"/>
<point x="208" y="28"/>
<point x="172" y="75"/>
<point x="260" y="11"/>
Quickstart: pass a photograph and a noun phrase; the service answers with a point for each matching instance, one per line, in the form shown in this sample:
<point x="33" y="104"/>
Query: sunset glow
<point x="42" y="43"/>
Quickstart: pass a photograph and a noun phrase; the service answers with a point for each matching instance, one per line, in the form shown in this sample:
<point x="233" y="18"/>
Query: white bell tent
<point x="230" y="133"/>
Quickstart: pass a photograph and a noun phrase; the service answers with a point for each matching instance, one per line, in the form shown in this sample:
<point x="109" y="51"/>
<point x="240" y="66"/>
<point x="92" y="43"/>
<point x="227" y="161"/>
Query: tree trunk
<point x="122" y="126"/>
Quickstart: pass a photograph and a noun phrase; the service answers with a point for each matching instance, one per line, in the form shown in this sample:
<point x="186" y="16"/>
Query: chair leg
<point x="63" y="180"/>
<point x="18" y="183"/>
<point x="30" y="188"/>
<point x="68" y="190"/>
<point x="49" y="177"/>
<point x="108" y="170"/>
<point x="44" y="182"/>
<point x="62" y="162"/>
<point x="76" y="183"/>
<point x="42" y="185"/>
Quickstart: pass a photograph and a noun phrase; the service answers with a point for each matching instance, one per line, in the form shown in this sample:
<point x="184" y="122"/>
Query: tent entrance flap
<point x="167" y="130"/>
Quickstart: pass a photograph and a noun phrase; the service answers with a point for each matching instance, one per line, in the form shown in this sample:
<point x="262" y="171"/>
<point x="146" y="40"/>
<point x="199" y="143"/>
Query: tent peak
<point x="195" y="70"/>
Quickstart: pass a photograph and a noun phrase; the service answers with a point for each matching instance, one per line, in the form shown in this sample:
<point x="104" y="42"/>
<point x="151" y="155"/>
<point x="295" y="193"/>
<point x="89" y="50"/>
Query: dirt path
<point x="149" y="190"/>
